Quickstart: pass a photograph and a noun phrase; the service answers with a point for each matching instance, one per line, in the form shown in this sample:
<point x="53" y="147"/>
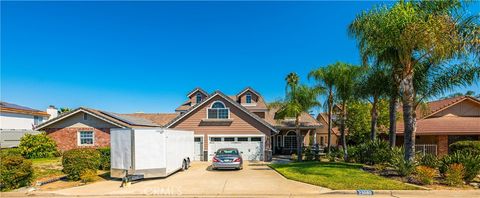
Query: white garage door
<point x="251" y="147"/>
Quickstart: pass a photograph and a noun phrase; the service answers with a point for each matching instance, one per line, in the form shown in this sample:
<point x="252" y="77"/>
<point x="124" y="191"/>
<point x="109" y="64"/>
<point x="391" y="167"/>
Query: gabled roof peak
<point x="248" y="89"/>
<point x="197" y="89"/>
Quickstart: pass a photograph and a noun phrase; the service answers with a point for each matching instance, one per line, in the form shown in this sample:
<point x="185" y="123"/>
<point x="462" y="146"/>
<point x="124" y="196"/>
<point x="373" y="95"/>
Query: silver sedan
<point x="227" y="158"/>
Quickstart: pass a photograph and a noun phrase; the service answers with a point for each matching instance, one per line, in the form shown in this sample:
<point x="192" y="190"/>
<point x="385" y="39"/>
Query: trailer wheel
<point x="184" y="165"/>
<point x="188" y="163"/>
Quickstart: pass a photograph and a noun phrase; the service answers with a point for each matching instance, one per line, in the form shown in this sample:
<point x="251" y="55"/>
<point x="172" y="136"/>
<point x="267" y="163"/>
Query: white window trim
<point x="217" y="112"/>
<point x="79" y="140"/>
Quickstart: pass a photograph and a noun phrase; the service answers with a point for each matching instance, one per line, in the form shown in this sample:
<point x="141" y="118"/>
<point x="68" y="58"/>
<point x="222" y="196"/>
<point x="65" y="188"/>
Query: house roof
<point x="445" y="125"/>
<point x="228" y="99"/>
<point x="306" y="120"/>
<point x="158" y="118"/>
<point x="14" y="108"/>
<point x="323" y="118"/>
<point x="439" y="105"/>
<point x="195" y="90"/>
<point x="109" y="117"/>
<point x="247" y="89"/>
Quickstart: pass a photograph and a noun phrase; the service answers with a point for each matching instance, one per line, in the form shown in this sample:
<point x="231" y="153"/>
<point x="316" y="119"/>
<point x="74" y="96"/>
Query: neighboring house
<point x="444" y="122"/>
<point x="16" y="117"/>
<point x="88" y="128"/>
<point x="242" y="121"/>
<point x="16" y="121"/>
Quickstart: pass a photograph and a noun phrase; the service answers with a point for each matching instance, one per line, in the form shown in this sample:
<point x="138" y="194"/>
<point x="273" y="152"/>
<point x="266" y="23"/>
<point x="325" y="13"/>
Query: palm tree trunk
<point x="393" y="120"/>
<point x="409" y="116"/>
<point x="342" y="131"/>
<point x="299" y="139"/>
<point x="374" y="115"/>
<point x="330" y="109"/>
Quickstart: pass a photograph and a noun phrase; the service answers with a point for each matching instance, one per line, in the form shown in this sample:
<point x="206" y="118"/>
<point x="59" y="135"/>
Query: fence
<point x="426" y="148"/>
<point x="11" y="138"/>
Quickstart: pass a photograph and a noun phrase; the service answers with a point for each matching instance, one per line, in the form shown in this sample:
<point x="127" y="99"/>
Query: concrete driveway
<point x="254" y="179"/>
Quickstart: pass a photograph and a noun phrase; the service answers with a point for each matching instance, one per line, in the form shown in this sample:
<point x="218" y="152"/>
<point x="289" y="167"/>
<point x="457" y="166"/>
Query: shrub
<point x="469" y="161"/>
<point x="88" y="176"/>
<point x="308" y="153"/>
<point x="10" y="151"/>
<point x="76" y="161"/>
<point x="335" y="153"/>
<point x="294" y="157"/>
<point x="429" y="160"/>
<point x="37" y="146"/>
<point x="402" y="166"/>
<point x="373" y="152"/>
<point x="104" y="158"/>
<point x="15" y="172"/>
<point x="468" y="146"/>
<point x="425" y="174"/>
<point x="454" y="174"/>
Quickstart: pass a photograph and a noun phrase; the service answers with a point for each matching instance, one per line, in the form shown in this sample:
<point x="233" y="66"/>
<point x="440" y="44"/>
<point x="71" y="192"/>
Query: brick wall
<point x="67" y="138"/>
<point x="442" y="145"/>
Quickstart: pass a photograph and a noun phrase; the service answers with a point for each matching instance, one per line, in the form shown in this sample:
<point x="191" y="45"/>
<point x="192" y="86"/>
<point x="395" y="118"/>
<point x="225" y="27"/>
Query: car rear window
<point x="227" y="152"/>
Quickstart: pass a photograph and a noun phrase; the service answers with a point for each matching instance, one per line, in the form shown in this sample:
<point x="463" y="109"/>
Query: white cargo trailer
<point x="149" y="152"/>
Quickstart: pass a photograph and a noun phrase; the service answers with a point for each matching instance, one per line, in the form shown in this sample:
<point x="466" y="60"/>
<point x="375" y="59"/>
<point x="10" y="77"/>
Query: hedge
<point x="470" y="146"/>
<point x="77" y="161"/>
<point x="15" y="172"/>
<point x="104" y="158"/>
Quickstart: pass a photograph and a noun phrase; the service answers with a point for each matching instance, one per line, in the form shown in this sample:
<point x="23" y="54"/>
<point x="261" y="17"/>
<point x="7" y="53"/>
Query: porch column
<point x="442" y="145"/>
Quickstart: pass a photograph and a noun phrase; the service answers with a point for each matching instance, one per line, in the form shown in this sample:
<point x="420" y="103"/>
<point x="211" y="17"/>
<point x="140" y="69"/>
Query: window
<point x="229" y="139"/>
<point x="86" y="138"/>
<point x="322" y="140"/>
<point x="215" y="139"/>
<point x="249" y="98"/>
<point x="37" y="120"/>
<point x="255" y="139"/>
<point x="199" y="98"/>
<point x="242" y="139"/>
<point x="290" y="140"/>
<point x="197" y="139"/>
<point x="279" y="141"/>
<point x="85" y="116"/>
<point x="218" y="111"/>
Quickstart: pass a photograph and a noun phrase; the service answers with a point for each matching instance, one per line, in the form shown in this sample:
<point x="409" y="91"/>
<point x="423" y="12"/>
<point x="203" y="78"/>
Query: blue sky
<point x="146" y="56"/>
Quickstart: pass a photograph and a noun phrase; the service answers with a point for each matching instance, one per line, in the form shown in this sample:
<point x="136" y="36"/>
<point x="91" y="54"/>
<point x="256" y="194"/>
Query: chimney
<point x="52" y="111"/>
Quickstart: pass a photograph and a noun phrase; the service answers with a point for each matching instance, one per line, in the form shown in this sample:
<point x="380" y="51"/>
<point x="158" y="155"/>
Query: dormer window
<point x="218" y="110"/>
<point x="199" y="98"/>
<point x="248" y="98"/>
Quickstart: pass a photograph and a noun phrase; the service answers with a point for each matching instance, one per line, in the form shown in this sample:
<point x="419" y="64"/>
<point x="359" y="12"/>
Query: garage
<point x="251" y="147"/>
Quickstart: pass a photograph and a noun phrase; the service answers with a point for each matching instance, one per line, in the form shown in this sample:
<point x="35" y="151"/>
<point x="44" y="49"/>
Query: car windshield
<point x="227" y="152"/>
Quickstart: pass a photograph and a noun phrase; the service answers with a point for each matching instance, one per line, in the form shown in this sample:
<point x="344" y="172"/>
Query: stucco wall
<point x="17" y="121"/>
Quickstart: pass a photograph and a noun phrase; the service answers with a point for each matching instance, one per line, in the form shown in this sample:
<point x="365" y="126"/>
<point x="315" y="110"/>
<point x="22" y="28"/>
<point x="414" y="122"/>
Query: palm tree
<point x="298" y="99"/>
<point x="372" y="87"/>
<point x="326" y="78"/>
<point x="348" y="76"/>
<point x="63" y="110"/>
<point x="419" y="32"/>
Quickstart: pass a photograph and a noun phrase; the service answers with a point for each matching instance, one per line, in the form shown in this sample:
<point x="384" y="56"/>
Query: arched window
<point x="218" y="110"/>
<point x="199" y="97"/>
<point x="290" y="140"/>
<point x="248" y="98"/>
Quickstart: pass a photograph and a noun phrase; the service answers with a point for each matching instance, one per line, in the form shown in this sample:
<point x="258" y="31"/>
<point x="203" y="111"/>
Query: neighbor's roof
<point x="323" y="117"/>
<point x="158" y="118"/>
<point x="446" y="125"/>
<point x="439" y="105"/>
<point x="14" y="108"/>
<point x="109" y="117"/>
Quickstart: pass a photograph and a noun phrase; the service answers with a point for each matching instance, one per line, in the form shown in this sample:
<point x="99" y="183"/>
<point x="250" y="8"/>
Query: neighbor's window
<point x="199" y="97"/>
<point x="85" y="116"/>
<point x="242" y="139"/>
<point x="215" y="139"/>
<point x="86" y="138"/>
<point x="37" y="120"/>
<point x="249" y="98"/>
<point x="218" y="111"/>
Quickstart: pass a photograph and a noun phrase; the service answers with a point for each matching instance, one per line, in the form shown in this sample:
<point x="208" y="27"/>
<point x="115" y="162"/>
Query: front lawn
<point x="338" y="176"/>
<point x="45" y="168"/>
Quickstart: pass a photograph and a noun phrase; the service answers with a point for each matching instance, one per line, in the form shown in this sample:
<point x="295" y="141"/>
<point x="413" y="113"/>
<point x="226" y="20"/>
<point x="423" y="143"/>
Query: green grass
<point x="47" y="167"/>
<point x="338" y="176"/>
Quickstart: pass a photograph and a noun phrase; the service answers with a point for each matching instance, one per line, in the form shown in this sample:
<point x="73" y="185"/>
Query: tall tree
<point x="348" y="76"/>
<point x="373" y="86"/>
<point x="298" y="99"/>
<point x="421" y="33"/>
<point x="326" y="78"/>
